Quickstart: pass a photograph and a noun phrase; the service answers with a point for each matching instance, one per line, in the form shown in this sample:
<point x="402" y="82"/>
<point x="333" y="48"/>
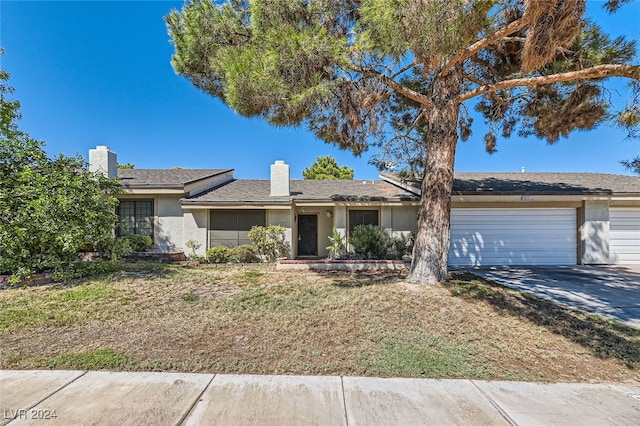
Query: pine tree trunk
<point x="434" y="218"/>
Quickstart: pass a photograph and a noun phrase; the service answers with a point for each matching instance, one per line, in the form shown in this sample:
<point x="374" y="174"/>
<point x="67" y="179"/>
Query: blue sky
<point x="93" y="73"/>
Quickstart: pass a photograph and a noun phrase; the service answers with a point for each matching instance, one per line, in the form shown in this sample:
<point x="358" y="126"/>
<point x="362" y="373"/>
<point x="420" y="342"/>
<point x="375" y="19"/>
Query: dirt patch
<point x="260" y="321"/>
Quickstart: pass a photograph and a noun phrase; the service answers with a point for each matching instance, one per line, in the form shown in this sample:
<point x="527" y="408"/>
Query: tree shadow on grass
<point x="116" y="272"/>
<point x="603" y="337"/>
<point x="362" y="278"/>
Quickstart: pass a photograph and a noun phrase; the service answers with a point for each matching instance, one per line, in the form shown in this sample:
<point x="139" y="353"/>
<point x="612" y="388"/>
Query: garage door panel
<point x="531" y="243"/>
<point x="624" y="236"/>
<point x="626" y="251"/>
<point x="513" y="237"/>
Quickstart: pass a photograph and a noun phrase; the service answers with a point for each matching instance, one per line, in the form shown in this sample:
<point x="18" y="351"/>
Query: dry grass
<point x="259" y="321"/>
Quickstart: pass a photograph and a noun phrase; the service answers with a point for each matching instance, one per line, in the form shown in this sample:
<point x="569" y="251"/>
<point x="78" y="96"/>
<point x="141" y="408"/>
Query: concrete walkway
<point x="106" y="398"/>
<point x="612" y="291"/>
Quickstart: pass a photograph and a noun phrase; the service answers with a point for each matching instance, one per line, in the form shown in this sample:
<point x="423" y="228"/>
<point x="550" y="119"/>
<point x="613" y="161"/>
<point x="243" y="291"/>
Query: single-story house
<point x="496" y="218"/>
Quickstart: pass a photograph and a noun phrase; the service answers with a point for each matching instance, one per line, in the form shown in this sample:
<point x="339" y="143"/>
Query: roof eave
<point x="218" y="173"/>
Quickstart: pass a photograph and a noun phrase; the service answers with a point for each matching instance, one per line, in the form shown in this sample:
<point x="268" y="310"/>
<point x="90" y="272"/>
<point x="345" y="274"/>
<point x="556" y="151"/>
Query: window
<point x="136" y="217"/>
<point x="362" y="217"/>
<point x="231" y="227"/>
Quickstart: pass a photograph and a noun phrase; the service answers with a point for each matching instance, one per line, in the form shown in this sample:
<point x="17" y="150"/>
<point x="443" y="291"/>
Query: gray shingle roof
<point x="165" y="178"/>
<point x="484" y="183"/>
<point x="257" y="191"/>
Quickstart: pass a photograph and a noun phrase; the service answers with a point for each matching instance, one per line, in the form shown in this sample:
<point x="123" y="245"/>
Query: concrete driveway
<point x="611" y="291"/>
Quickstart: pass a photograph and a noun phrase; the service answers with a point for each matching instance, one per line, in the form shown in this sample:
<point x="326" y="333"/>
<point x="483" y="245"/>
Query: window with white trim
<point x="136" y="217"/>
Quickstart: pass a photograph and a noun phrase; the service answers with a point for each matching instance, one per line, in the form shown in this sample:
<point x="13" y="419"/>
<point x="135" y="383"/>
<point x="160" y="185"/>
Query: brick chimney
<point x="103" y="160"/>
<point x="280" y="176"/>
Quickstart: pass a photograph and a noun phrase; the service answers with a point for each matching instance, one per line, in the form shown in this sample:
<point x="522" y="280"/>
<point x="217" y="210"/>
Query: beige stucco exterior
<point x="594" y="232"/>
<point x="180" y="216"/>
<point x="399" y="220"/>
<point x="195" y="228"/>
<point x="176" y="224"/>
<point x="168" y="232"/>
<point x="172" y="226"/>
<point x="283" y="218"/>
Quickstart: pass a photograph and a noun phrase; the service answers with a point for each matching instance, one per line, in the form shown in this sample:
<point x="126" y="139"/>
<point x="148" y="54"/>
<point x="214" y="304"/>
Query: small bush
<point x="401" y="246"/>
<point x="116" y="248"/>
<point x="219" y="254"/>
<point x="270" y="242"/>
<point x="370" y="241"/>
<point x="337" y="247"/>
<point x="194" y="246"/>
<point x="139" y="242"/>
<point x="244" y="254"/>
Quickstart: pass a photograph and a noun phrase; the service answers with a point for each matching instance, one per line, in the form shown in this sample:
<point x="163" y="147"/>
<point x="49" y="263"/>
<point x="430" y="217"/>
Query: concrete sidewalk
<point x="106" y="398"/>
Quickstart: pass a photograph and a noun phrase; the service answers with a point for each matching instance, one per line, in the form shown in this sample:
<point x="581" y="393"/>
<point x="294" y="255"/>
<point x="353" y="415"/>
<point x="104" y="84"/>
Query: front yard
<point x="260" y="321"/>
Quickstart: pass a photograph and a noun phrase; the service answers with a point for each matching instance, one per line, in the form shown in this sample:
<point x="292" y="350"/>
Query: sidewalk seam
<point x="195" y="402"/>
<point x="49" y="396"/>
<point x="344" y="401"/>
<point x="495" y="404"/>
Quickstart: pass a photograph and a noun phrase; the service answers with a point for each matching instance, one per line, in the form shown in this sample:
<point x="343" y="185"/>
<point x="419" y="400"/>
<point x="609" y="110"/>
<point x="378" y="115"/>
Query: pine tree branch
<point x="474" y="79"/>
<point x="405" y="69"/>
<point x="468" y="52"/>
<point x="391" y="83"/>
<point x="593" y="73"/>
<point x="524" y="39"/>
<point x="487" y="65"/>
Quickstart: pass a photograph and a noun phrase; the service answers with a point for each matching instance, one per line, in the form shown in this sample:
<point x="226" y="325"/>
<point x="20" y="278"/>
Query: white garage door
<point x="624" y="236"/>
<point x="513" y="237"/>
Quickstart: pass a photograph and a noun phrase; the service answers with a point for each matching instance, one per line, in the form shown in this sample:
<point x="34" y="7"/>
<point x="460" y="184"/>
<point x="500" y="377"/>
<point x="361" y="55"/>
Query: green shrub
<point x="115" y="248"/>
<point x="219" y="254"/>
<point x="244" y="253"/>
<point x="370" y="241"/>
<point x="139" y="242"/>
<point x="270" y="242"/>
<point x="194" y="246"/>
<point x="51" y="208"/>
<point x="337" y="246"/>
<point x="401" y="246"/>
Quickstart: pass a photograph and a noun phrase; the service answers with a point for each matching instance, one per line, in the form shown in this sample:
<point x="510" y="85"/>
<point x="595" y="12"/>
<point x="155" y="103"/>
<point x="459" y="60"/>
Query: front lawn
<point x="260" y="321"/>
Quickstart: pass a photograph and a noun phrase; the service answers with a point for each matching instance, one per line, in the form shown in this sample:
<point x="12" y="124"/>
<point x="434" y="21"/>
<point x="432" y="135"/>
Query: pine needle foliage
<point x="394" y="75"/>
<point x="326" y="168"/>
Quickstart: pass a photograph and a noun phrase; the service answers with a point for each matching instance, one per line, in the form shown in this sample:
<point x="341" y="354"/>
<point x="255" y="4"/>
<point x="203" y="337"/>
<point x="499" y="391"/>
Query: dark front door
<point x="307" y="235"/>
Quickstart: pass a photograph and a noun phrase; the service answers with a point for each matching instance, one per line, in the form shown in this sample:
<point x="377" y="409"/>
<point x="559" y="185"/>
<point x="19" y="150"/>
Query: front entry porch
<point x="313" y="225"/>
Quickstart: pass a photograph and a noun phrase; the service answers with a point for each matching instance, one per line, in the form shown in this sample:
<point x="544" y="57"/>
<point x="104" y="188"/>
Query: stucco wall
<point x="282" y="218"/>
<point x="399" y="220"/>
<point x="340" y="220"/>
<point x="168" y="235"/>
<point x="386" y="219"/>
<point x="594" y="233"/>
<point x="325" y="230"/>
<point x="195" y="228"/>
